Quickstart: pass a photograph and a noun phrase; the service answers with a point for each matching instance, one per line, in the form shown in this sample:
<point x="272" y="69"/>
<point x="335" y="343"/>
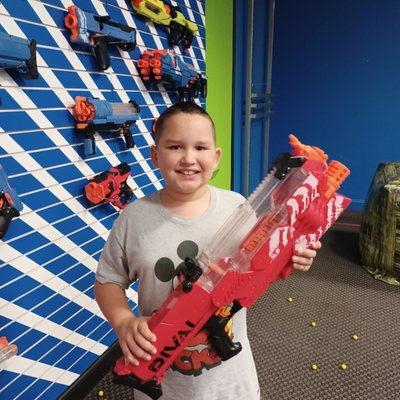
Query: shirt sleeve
<point x="113" y="265"/>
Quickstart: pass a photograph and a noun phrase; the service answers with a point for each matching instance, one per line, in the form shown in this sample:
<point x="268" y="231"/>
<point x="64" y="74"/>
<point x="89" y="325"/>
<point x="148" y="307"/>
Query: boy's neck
<point x="186" y="204"/>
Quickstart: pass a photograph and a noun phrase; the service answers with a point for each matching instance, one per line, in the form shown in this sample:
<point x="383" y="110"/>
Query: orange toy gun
<point x="110" y="187"/>
<point x="6" y="350"/>
<point x="293" y="206"/>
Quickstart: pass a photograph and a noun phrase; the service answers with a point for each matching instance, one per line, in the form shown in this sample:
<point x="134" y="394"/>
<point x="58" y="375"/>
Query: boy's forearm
<point x="113" y="303"/>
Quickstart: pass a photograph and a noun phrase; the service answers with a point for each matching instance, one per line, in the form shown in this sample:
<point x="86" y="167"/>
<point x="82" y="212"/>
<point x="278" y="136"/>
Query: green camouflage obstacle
<point x="380" y="225"/>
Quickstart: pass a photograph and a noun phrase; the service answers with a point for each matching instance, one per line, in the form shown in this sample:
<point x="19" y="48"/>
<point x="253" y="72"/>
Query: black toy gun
<point x="110" y="187"/>
<point x="181" y="30"/>
<point x="94" y="115"/>
<point x="98" y="31"/>
<point x="10" y="204"/>
<point x="18" y="53"/>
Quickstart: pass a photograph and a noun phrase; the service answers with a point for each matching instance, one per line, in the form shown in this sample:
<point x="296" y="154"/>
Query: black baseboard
<point x="93" y="375"/>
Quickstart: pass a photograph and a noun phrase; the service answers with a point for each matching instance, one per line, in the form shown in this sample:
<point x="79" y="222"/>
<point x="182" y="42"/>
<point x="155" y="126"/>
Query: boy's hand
<point x="135" y="339"/>
<point x="304" y="258"/>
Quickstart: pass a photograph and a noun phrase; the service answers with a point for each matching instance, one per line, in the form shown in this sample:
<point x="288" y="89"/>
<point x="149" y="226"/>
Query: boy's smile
<point x="186" y="155"/>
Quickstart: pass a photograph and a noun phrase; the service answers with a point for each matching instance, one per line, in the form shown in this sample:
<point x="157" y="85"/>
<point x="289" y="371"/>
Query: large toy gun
<point x="94" y="115"/>
<point x="98" y="31"/>
<point x="166" y="66"/>
<point x="181" y="30"/>
<point x="110" y="187"/>
<point x="10" y="204"/>
<point x="18" y="53"/>
<point x="293" y="206"/>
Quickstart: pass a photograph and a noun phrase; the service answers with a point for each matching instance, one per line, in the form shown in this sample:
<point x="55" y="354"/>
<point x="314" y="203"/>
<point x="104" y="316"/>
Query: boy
<point x="153" y="236"/>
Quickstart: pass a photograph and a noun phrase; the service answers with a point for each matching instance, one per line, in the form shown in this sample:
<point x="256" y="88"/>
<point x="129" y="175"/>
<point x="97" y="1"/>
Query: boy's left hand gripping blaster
<point x="292" y="207"/>
<point x="10" y="204"/>
<point x="18" y="53"/>
<point x="94" y="115"/>
<point x="98" y="31"/>
<point x="111" y="187"/>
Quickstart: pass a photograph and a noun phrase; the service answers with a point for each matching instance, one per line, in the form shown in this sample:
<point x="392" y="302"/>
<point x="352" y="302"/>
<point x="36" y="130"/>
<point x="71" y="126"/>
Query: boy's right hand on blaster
<point x="135" y="339"/>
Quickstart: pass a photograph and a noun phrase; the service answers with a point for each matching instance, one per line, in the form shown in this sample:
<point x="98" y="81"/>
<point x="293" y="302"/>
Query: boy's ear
<point x="218" y="154"/>
<point x="154" y="156"/>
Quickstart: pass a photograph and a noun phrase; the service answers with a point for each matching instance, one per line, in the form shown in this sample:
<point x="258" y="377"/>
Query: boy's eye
<point x="200" y="148"/>
<point x="174" y="147"/>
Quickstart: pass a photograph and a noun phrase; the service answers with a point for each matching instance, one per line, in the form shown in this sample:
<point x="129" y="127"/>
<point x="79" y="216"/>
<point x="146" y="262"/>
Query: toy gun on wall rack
<point x="18" y="53"/>
<point x="6" y="350"/>
<point x="94" y="115"/>
<point x="97" y="32"/>
<point x="10" y="204"/>
<point x="294" y="205"/>
<point x="110" y="187"/>
<point x="166" y="66"/>
<point x="181" y="31"/>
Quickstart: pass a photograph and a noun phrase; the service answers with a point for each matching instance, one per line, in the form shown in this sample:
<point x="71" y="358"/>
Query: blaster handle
<point x="219" y="338"/>
<point x="6" y="216"/>
<point x="176" y="34"/>
<point x="128" y="137"/>
<point x="101" y="54"/>
<point x="90" y="145"/>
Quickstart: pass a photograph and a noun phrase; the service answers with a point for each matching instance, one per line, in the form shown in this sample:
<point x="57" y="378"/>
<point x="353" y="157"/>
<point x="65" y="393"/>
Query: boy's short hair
<point x="182" y="107"/>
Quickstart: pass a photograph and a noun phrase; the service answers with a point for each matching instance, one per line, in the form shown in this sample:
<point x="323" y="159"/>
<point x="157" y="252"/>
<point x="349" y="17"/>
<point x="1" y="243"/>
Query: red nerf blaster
<point x="294" y="205"/>
<point x="110" y="187"/>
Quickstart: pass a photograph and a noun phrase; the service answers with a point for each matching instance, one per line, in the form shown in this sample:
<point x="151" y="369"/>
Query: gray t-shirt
<point x="148" y="242"/>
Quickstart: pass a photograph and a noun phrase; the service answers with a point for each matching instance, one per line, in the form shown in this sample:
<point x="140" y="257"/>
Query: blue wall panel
<point x="49" y="255"/>
<point x="336" y="83"/>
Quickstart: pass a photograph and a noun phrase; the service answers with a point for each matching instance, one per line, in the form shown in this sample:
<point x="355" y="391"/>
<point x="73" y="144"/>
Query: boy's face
<point x="186" y="153"/>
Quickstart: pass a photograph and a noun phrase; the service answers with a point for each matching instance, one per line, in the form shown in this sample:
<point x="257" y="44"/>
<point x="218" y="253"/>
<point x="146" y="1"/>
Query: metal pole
<point x="268" y="87"/>
<point x="247" y="116"/>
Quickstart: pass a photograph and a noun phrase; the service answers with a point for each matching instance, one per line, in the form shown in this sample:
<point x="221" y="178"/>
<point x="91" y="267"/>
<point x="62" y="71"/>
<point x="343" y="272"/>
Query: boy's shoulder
<point x="229" y="196"/>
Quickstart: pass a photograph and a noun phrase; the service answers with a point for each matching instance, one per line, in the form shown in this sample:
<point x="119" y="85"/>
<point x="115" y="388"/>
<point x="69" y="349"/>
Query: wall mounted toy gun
<point x="293" y="206"/>
<point x="181" y="30"/>
<point x="7" y="350"/>
<point x="10" y="204"/>
<point x="97" y="32"/>
<point x="164" y="65"/>
<point x="18" y="53"/>
<point x="94" y="115"/>
<point x="110" y="187"/>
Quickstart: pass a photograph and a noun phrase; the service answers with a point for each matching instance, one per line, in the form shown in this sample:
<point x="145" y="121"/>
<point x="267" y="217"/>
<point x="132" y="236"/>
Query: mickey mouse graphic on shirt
<point x="199" y="354"/>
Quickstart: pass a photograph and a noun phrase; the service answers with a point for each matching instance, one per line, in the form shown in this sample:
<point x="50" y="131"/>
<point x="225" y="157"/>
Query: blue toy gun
<point x="96" y="31"/>
<point x="166" y="66"/>
<point x="94" y="115"/>
<point x="18" y="53"/>
<point x="10" y="204"/>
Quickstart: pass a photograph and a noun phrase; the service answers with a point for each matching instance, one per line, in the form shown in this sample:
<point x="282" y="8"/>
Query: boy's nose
<point x="188" y="157"/>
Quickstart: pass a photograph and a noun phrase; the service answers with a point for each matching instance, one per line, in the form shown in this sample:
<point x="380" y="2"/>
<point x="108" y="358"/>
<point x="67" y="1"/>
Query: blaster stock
<point x="97" y="31"/>
<point x="181" y="31"/>
<point x="94" y="115"/>
<point x="166" y="66"/>
<point x="110" y="187"/>
<point x="294" y="205"/>
<point x="10" y="204"/>
<point x="18" y="53"/>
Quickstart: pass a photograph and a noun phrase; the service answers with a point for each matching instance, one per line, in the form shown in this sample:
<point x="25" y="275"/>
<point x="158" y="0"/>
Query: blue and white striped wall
<point x="49" y="254"/>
